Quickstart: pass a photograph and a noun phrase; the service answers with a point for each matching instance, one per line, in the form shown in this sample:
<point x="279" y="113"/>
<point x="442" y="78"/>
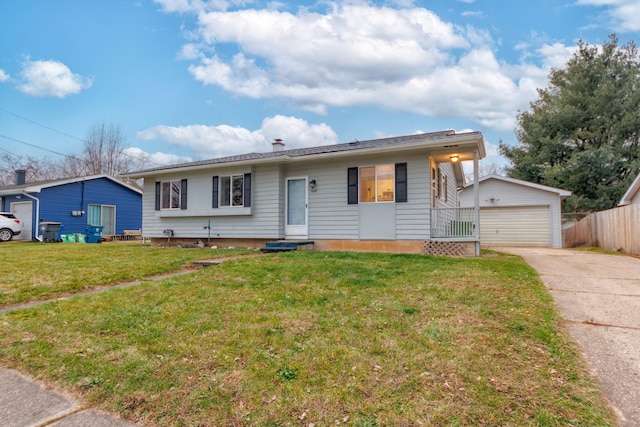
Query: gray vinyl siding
<point x="262" y="222"/>
<point x="413" y="219"/>
<point x="451" y="199"/>
<point x="330" y="216"/>
<point x="452" y="190"/>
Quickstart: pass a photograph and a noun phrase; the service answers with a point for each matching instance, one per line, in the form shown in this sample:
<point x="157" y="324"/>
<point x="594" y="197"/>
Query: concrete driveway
<point x="599" y="296"/>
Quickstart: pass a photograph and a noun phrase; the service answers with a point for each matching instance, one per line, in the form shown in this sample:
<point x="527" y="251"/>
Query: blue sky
<point x="195" y="79"/>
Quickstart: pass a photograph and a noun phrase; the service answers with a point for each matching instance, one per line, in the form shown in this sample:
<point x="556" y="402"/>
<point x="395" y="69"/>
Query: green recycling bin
<point x="93" y="233"/>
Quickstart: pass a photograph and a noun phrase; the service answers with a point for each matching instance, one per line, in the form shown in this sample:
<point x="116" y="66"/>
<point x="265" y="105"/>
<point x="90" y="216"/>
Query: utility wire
<point x="41" y="125"/>
<point x="48" y="128"/>
<point x="34" y="146"/>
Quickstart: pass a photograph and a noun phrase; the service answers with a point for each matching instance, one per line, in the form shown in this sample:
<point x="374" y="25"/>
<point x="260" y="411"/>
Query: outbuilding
<point x="632" y="195"/>
<point x="517" y="213"/>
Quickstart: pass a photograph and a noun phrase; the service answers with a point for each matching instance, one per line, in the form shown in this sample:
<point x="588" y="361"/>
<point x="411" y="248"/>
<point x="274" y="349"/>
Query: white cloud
<point x="556" y="55"/>
<point x="190" y="6"/>
<point x="50" y="78"/>
<point x="145" y="160"/>
<point x="189" y="51"/>
<point x="4" y="77"/>
<point x="297" y="133"/>
<point x="223" y="140"/>
<point x="622" y="15"/>
<point x="356" y="54"/>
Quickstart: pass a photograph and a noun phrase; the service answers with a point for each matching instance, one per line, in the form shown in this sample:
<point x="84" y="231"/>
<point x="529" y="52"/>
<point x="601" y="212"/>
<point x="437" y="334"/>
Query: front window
<point x="377" y="183"/>
<point x="171" y="195"/>
<point x="232" y="190"/>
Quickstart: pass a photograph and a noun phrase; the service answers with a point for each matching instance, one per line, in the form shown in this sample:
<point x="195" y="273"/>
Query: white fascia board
<point x="560" y="192"/>
<point x="474" y="143"/>
<point x="628" y="195"/>
<point x="37" y="187"/>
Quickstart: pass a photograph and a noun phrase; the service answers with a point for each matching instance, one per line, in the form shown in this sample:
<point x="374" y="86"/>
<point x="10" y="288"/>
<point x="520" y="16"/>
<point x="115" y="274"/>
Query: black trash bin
<point x="50" y="231"/>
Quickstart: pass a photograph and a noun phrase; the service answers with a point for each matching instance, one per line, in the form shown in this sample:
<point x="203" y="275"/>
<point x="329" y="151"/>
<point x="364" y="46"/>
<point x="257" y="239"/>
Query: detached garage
<point x="517" y="213"/>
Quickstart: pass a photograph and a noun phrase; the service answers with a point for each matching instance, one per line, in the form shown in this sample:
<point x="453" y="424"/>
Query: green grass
<point x="41" y="271"/>
<point x="317" y="338"/>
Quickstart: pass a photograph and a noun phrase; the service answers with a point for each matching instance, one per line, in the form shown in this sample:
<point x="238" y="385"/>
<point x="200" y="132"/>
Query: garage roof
<point x="562" y="193"/>
<point x="631" y="191"/>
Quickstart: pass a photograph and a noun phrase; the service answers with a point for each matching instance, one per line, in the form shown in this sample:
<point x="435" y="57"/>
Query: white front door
<point x="296" y="209"/>
<point x="24" y="212"/>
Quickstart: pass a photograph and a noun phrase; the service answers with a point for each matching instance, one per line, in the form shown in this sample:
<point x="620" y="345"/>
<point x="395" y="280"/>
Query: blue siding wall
<point x="57" y="203"/>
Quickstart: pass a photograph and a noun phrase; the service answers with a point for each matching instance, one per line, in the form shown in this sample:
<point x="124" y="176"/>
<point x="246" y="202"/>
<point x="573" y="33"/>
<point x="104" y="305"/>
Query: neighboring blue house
<point x="75" y="203"/>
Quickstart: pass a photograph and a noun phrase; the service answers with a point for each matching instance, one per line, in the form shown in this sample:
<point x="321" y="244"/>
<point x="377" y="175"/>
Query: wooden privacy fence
<point x="616" y="229"/>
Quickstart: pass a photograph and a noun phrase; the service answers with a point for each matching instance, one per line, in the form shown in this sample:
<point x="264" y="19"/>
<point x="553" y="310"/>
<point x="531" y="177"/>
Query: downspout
<point x="476" y="199"/>
<point x="38" y="237"/>
<point x="82" y="198"/>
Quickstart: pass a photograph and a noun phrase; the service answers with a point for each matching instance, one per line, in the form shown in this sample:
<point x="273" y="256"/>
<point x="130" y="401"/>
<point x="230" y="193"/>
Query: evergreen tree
<point x="583" y="132"/>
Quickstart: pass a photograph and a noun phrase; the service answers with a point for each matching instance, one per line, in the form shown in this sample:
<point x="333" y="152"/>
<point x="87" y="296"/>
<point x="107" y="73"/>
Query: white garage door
<point x="515" y="226"/>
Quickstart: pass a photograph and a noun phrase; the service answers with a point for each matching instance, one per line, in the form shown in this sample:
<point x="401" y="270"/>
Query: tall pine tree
<point x="583" y="132"/>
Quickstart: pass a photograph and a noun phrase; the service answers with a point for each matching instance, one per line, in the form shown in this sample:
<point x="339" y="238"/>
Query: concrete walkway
<point x="599" y="296"/>
<point x="25" y="403"/>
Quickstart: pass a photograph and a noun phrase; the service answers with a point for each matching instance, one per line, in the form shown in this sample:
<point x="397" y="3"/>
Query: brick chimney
<point x="278" y="145"/>
<point x="21" y="176"/>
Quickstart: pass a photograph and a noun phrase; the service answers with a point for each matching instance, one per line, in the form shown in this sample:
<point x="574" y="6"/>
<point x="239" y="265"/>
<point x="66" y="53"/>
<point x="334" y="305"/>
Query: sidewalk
<point x="25" y="403"/>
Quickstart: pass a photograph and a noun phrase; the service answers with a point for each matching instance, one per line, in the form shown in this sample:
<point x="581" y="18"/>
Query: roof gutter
<point x="476" y="141"/>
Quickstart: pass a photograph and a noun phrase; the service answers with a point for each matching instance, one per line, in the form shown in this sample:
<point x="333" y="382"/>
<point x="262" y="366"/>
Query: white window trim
<point x="376" y="183"/>
<point x="162" y="195"/>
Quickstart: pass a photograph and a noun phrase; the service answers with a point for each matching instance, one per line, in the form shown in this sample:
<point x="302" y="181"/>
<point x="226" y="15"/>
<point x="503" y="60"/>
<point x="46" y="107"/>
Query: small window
<point x="232" y="190"/>
<point x="434" y="182"/>
<point x="443" y="192"/>
<point x="377" y="184"/>
<point x="171" y="194"/>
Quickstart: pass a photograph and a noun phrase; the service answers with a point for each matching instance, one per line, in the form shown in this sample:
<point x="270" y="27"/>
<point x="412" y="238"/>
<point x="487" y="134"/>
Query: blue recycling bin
<point x="93" y="233"/>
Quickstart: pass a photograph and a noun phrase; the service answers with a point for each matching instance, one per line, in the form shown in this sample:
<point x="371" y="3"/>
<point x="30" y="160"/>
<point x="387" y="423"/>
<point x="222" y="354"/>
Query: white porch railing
<point x="453" y="223"/>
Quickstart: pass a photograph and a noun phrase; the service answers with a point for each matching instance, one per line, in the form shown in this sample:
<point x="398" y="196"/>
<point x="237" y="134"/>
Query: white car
<point x="9" y="226"/>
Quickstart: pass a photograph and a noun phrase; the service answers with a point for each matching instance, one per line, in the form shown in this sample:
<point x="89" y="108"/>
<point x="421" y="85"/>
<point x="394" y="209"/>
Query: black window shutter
<point x="247" y="190"/>
<point x="183" y="194"/>
<point x="401" y="182"/>
<point x="158" y="196"/>
<point x="215" y="195"/>
<point x="352" y="186"/>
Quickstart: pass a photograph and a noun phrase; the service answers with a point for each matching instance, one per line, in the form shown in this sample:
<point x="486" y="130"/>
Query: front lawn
<point x="40" y="271"/>
<point x="317" y="339"/>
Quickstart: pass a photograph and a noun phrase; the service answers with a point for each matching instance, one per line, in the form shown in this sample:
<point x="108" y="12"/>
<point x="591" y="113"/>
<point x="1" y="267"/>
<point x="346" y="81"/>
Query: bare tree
<point x="72" y="166"/>
<point x="36" y="169"/>
<point x="490" y="168"/>
<point x="484" y="169"/>
<point x="104" y="151"/>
